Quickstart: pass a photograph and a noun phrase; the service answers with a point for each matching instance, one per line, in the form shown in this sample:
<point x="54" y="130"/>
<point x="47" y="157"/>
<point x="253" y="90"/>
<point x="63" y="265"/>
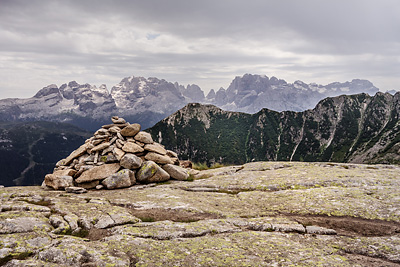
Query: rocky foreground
<point x="258" y="214"/>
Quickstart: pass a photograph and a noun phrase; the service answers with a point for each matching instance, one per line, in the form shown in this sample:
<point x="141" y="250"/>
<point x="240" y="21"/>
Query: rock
<point x="22" y="225"/>
<point x="108" y="159"/>
<point x="117" y="120"/>
<point x="58" y="182"/>
<point x="172" y="154"/>
<point x="130" y="130"/>
<point x="130" y="147"/>
<point x="100" y="147"/>
<point x="118" y="153"/>
<point x="319" y="230"/>
<point x="75" y="190"/>
<point x="176" y="172"/>
<point x="66" y="172"/>
<point x="144" y="137"/>
<point x="99" y="187"/>
<point x="58" y="221"/>
<point x="160" y="159"/>
<point x="155" y="147"/>
<point x="185" y="164"/>
<point x="98" y="173"/>
<point x="89" y="185"/>
<point x="123" y="178"/>
<point x="114" y="129"/>
<point x="131" y="161"/>
<point x="76" y="153"/>
<point x="150" y="172"/>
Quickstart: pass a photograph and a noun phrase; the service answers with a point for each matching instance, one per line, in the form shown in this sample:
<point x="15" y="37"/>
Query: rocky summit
<point x="119" y="155"/>
<point x="257" y="214"/>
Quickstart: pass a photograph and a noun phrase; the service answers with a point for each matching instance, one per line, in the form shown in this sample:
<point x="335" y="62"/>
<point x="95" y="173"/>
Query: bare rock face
<point x="117" y="156"/>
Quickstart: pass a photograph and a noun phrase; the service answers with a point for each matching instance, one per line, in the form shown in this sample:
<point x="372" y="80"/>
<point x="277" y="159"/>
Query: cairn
<point x="118" y="155"/>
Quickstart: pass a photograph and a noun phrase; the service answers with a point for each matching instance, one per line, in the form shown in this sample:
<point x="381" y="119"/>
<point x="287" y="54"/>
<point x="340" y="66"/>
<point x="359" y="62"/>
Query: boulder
<point x="121" y="179"/>
<point x="98" y="173"/>
<point x="160" y="159"/>
<point x="100" y="147"/>
<point x="176" y="172"/>
<point x="130" y="147"/>
<point x="150" y="172"/>
<point x="130" y="130"/>
<point x="131" y="161"/>
<point x="144" y="137"/>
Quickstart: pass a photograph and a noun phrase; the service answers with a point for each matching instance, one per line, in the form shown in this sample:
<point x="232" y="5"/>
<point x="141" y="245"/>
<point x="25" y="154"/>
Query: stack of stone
<point x="118" y="155"/>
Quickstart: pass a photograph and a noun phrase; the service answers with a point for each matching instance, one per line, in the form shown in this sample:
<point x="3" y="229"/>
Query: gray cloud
<point x="204" y="42"/>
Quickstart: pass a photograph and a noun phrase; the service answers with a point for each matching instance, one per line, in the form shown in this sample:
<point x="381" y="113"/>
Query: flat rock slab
<point x="257" y="214"/>
<point x="98" y="173"/>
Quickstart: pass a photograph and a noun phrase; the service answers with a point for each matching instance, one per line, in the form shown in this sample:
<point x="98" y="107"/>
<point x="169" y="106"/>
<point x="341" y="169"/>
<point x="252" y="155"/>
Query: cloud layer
<point x="204" y="42"/>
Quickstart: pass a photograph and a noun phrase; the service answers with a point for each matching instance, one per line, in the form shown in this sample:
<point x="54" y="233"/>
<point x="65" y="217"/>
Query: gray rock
<point x="22" y="225"/>
<point x="130" y="147"/>
<point x="131" y="161"/>
<point x="108" y="159"/>
<point x="131" y="130"/>
<point x="58" y="221"/>
<point x="176" y="172"/>
<point x="121" y="179"/>
<point x="319" y="230"/>
<point x="160" y="159"/>
<point x="155" y="147"/>
<point x="72" y="221"/>
<point x="150" y="172"/>
<point x="76" y="190"/>
<point x="98" y="173"/>
<point x="58" y="182"/>
<point x="144" y="137"/>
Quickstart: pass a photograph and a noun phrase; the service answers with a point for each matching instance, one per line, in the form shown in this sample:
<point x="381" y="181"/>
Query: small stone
<point x="185" y="164"/>
<point x="66" y="172"/>
<point x="131" y="161"/>
<point x="89" y="185"/>
<point x="171" y="154"/>
<point x="100" y="147"/>
<point x="121" y="179"/>
<point x="98" y="173"/>
<point x="99" y="187"/>
<point x="150" y="172"/>
<point x="75" y="190"/>
<point x="319" y="230"/>
<point x="160" y="159"/>
<point x="176" y="172"/>
<point x="130" y="147"/>
<point x="118" y="153"/>
<point x="108" y="159"/>
<point x="156" y="147"/>
<point x="114" y="129"/>
<point x="117" y="120"/>
<point x="144" y="137"/>
<point x="131" y="130"/>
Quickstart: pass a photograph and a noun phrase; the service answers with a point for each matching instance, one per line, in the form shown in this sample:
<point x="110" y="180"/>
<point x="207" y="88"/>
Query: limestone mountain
<point x="148" y="100"/>
<point x="356" y="128"/>
<point x="251" y="93"/>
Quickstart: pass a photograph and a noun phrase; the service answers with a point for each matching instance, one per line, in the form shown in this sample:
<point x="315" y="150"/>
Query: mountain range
<point x="148" y="100"/>
<point x="348" y="128"/>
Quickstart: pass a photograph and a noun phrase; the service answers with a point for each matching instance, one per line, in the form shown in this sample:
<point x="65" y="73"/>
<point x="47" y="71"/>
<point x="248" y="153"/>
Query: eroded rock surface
<point x="258" y="214"/>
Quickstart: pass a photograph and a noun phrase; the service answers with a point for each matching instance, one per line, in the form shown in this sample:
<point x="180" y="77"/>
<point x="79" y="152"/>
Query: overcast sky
<point x="206" y="42"/>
